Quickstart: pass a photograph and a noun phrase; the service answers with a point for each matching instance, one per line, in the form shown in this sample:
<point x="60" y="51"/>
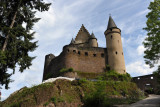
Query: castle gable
<point x="82" y="36"/>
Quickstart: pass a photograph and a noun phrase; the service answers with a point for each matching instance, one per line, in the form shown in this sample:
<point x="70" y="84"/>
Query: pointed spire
<point x="92" y="35"/>
<point x="111" y="23"/>
<point x="72" y="41"/>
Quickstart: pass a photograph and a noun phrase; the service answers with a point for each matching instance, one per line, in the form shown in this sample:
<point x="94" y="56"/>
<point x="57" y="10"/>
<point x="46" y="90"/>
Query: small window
<point x="74" y="51"/>
<point x="116" y="52"/>
<point x="151" y="77"/>
<point x="94" y="55"/>
<point x="111" y="36"/>
<point x="138" y="78"/>
<point x="86" y="53"/>
<point x="102" y="55"/>
<point x="122" y="53"/>
<point x="79" y="52"/>
<point x="124" y="71"/>
<point x="118" y="41"/>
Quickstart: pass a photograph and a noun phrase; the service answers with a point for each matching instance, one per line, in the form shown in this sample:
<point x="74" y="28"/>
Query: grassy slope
<point x="75" y="93"/>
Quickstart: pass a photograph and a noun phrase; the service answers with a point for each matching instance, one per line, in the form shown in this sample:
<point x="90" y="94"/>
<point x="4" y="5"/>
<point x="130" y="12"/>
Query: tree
<point x="152" y="41"/>
<point x="17" y="40"/>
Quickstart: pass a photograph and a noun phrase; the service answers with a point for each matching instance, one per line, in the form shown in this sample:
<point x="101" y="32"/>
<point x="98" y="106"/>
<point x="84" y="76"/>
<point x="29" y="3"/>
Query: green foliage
<point x="157" y="75"/>
<point x="109" y="93"/>
<point x="65" y="70"/>
<point x="20" y="39"/>
<point x="46" y="104"/>
<point x="114" y="76"/>
<point x="54" y="100"/>
<point x="151" y="43"/>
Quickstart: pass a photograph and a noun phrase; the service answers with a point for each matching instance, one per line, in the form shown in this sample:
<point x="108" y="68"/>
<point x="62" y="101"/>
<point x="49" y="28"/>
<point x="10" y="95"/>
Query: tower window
<point x="86" y="53"/>
<point x="116" y="52"/>
<point x="68" y="50"/>
<point x="122" y="53"/>
<point x="111" y="36"/>
<point x="124" y="71"/>
<point x="79" y="52"/>
<point x="118" y="41"/>
<point x="102" y="55"/>
<point x="94" y="55"/>
<point x="74" y="51"/>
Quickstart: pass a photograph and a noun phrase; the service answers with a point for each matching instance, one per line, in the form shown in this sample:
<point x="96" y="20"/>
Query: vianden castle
<point x="84" y="55"/>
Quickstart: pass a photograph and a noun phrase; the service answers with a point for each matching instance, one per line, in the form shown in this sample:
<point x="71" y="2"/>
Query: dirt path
<point x="151" y="101"/>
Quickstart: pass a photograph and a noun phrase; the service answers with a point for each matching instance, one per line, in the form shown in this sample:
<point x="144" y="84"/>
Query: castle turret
<point x="93" y="41"/>
<point x="48" y="59"/>
<point x="114" y="47"/>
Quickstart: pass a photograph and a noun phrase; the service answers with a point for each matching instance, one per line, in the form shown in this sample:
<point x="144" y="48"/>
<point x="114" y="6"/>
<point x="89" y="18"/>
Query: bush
<point x="64" y="70"/>
<point x="114" y="76"/>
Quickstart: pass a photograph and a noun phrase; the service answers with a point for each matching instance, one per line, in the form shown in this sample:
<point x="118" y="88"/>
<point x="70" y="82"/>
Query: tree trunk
<point x="7" y="37"/>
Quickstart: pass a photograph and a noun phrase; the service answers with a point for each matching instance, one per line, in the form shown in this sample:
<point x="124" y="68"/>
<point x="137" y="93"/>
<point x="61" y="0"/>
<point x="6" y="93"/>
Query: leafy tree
<point x="152" y="41"/>
<point x="16" y="41"/>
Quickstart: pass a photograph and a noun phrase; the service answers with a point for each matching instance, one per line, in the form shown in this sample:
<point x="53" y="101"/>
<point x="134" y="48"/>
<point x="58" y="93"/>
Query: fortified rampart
<point x="81" y="59"/>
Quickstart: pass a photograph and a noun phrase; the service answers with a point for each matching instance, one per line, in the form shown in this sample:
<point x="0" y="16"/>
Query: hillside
<point x="77" y="93"/>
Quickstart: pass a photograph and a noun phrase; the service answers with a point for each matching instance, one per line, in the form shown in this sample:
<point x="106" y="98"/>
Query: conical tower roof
<point x="111" y="23"/>
<point x="92" y="35"/>
<point x="72" y="41"/>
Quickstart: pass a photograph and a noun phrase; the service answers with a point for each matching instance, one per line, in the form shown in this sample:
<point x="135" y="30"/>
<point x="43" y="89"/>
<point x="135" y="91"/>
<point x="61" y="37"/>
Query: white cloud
<point x="140" y="50"/>
<point x="138" y="68"/>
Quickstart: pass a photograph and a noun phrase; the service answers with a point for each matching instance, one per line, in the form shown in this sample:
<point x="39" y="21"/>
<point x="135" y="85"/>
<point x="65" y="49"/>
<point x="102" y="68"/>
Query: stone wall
<point x="145" y="82"/>
<point x="80" y="59"/>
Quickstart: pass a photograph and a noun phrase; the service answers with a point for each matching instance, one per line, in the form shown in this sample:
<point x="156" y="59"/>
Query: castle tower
<point x="114" y="47"/>
<point x="48" y="59"/>
<point x="93" y="41"/>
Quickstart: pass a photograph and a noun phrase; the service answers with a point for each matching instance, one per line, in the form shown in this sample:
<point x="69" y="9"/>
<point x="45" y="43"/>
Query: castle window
<point x="122" y="53"/>
<point x="79" y="52"/>
<point x="102" y="55"/>
<point x="124" y="70"/>
<point x="74" y="51"/>
<point x="111" y="36"/>
<point x="86" y="53"/>
<point x="94" y="55"/>
<point x="116" y="52"/>
<point x="118" y="41"/>
<point x="138" y="78"/>
<point x="68" y="50"/>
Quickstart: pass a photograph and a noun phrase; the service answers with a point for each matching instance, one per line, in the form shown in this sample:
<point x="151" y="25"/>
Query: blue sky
<point x="63" y="21"/>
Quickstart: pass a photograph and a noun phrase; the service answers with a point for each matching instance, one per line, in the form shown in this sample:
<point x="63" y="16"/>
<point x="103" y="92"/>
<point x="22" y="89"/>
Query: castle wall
<point x="86" y="59"/>
<point x="80" y="59"/>
<point x="145" y="82"/>
<point x="55" y="65"/>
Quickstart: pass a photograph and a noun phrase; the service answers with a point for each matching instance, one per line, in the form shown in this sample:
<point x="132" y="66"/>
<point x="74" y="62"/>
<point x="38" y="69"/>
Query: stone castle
<point x="84" y="55"/>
